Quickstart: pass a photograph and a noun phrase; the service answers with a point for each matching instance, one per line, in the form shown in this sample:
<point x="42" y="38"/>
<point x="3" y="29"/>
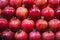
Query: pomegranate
<point x="14" y="24"/>
<point x="53" y="3"/>
<point x="41" y="3"/>
<point x="54" y="25"/>
<point x="34" y="35"/>
<point x="48" y="35"/>
<point x="7" y="35"/>
<point x="48" y="13"/>
<point x="35" y="13"/>
<point x="3" y="24"/>
<point x="8" y="12"/>
<point x="57" y="35"/>
<point x="57" y="12"/>
<point x="15" y="3"/>
<point x="41" y="25"/>
<point x="28" y="3"/>
<point x="21" y="13"/>
<point x="3" y="3"/>
<point x="21" y="35"/>
<point x="27" y="25"/>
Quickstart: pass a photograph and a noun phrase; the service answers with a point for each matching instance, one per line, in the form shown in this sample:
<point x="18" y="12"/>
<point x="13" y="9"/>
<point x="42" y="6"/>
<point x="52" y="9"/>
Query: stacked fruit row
<point x="29" y="19"/>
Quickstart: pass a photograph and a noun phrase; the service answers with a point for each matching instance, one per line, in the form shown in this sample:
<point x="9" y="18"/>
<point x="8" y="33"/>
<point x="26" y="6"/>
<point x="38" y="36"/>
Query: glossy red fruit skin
<point x="22" y="13"/>
<point x="34" y="35"/>
<point x="41" y="25"/>
<point x="3" y="24"/>
<point x="41" y="3"/>
<point x="3" y="3"/>
<point x="21" y="35"/>
<point x="35" y="13"/>
<point x="14" y="24"/>
<point x="53" y="3"/>
<point x="57" y="35"/>
<point x="48" y="13"/>
<point x="57" y="12"/>
<point x="27" y="25"/>
<point x="8" y="12"/>
<point x="15" y="3"/>
<point x="7" y="35"/>
<point x="48" y="35"/>
<point x="28" y="3"/>
<point x="54" y="25"/>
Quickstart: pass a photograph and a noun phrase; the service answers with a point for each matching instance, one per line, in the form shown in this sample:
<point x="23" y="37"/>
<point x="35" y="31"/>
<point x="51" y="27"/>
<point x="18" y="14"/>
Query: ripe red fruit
<point x="41" y="25"/>
<point x="28" y="3"/>
<point x="34" y="35"/>
<point x="35" y="13"/>
<point x="48" y="13"/>
<point x="21" y="13"/>
<point x="14" y="24"/>
<point x="53" y="3"/>
<point x="15" y="3"/>
<point x="3" y="3"/>
<point x="57" y="35"/>
<point x="49" y="35"/>
<point x="7" y="35"/>
<point x="54" y="24"/>
<point x="3" y="24"/>
<point x="27" y="25"/>
<point x="57" y="12"/>
<point x="41" y="3"/>
<point x="8" y="12"/>
<point x="21" y="35"/>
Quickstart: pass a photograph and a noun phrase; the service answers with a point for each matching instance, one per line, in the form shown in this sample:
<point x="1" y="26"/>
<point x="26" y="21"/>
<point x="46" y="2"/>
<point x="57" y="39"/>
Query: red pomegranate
<point x="27" y="25"/>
